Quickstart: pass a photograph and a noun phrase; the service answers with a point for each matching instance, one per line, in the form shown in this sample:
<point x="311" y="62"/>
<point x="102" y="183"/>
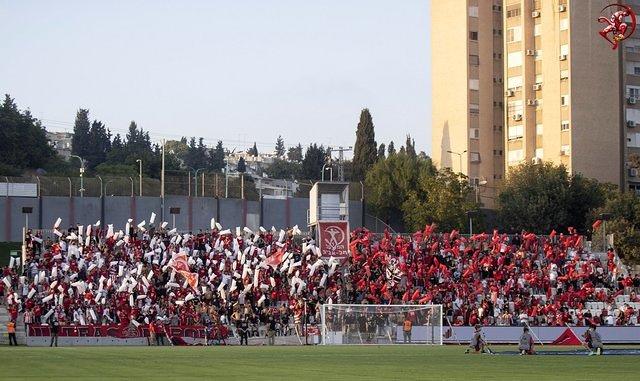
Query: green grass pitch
<point x="303" y="363"/>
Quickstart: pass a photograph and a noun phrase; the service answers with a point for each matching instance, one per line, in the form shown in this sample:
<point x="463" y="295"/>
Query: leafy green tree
<point x="381" y="151"/>
<point x="391" y="149"/>
<point x="390" y="181"/>
<point x="280" y="150"/>
<point x="295" y="153"/>
<point x="365" y="150"/>
<point x="23" y="140"/>
<point x="443" y="198"/>
<point x="283" y="169"/>
<point x="314" y="160"/>
<point x="81" y="141"/>
<point x="410" y="146"/>
<point x="216" y="157"/>
<point x="242" y="166"/>
<point x="100" y="141"/>
<point x="543" y="197"/>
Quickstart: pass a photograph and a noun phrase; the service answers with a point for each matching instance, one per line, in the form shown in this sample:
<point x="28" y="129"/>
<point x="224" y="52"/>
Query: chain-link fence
<point x="177" y="183"/>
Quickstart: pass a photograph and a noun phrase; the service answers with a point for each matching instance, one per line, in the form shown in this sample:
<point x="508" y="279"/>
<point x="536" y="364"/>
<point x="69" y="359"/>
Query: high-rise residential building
<point x="529" y="81"/>
<point x="562" y="88"/>
<point x="468" y="100"/>
<point x="631" y="81"/>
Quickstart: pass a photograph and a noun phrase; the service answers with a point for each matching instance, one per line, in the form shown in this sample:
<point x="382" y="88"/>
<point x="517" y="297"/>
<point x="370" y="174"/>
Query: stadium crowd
<point x="150" y="274"/>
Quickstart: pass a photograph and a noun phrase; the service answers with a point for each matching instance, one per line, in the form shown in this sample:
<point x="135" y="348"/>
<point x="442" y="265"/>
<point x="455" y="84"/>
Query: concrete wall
<point x="195" y="212"/>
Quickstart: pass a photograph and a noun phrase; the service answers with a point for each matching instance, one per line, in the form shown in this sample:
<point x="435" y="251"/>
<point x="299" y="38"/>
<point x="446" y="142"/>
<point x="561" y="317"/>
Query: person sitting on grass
<point x="526" y="343"/>
<point x="478" y="344"/>
<point x="594" y="341"/>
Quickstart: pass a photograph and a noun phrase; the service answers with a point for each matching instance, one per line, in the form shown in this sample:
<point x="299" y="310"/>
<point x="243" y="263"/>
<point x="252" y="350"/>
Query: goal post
<point x="381" y="324"/>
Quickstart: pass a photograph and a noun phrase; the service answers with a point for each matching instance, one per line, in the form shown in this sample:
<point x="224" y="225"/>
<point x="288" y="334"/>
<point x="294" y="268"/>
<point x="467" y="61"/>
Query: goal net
<point x="381" y="324"/>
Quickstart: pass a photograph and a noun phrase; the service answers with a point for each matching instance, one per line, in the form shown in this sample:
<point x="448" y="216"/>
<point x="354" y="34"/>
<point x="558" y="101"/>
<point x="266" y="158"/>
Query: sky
<point x="236" y="70"/>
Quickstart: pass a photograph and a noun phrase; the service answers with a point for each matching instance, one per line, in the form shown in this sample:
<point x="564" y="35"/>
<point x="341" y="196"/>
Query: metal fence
<point x="177" y="183"/>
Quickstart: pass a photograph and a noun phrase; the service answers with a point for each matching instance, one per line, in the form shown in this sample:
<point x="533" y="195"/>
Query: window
<point x="539" y="152"/>
<point x="564" y="100"/>
<point x="474" y="84"/>
<point x="514" y="59"/>
<point x="537" y="30"/>
<point x="514" y="12"/>
<point x="497" y="128"/>
<point x="565" y="150"/>
<point x="516" y="132"/>
<point x="474" y="60"/>
<point x="515" y="155"/>
<point x="514" y="34"/>
<point x="473" y="11"/>
<point x="514" y="82"/>
<point x="473" y="36"/>
<point x="564" y="50"/>
<point x="564" y="126"/>
<point x="497" y="32"/>
<point x="474" y="157"/>
<point x="633" y="91"/>
<point x="633" y="114"/>
<point x="474" y="133"/>
<point x="633" y="139"/>
<point x="635" y="188"/>
<point x="497" y="56"/>
<point x="497" y="152"/>
<point x="514" y="107"/>
<point x="497" y="176"/>
<point x="636" y="70"/>
<point x="564" y="24"/>
<point x="537" y="55"/>
<point x="538" y="79"/>
<point x="474" y="108"/>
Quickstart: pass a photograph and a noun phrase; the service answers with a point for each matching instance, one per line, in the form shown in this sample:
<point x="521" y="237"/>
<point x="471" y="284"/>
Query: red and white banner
<point x="117" y="331"/>
<point x="334" y="239"/>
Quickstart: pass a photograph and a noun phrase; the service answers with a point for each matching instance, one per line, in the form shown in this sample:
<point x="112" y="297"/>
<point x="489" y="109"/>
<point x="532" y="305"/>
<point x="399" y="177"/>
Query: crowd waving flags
<point x="147" y="273"/>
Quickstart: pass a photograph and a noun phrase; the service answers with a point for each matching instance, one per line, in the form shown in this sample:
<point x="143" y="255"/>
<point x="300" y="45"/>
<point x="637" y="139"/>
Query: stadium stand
<point x="219" y="278"/>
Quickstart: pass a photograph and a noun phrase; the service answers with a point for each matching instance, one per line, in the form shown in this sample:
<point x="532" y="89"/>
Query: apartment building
<point x="468" y="101"/>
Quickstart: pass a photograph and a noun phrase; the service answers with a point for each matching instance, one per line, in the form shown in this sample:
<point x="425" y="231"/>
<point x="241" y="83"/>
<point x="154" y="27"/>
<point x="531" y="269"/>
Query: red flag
<point x="192" y="278"/>
<point x="276" y="259"/>
<point x="596" y="225"/>
<point x="179" y="262"/>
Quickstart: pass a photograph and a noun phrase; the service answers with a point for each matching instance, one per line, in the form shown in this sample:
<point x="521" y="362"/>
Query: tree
<point x="216" y="157"/>
<point x="23" y="141"/>
<point x="313" y="162"/>
<point x="624" y="208"/>
<point x="390" y="181"/>
<point x="100" y="141"/>
<point x="381" y="151"/>
<point x="81" y="141"/>
<point x="242" y="166"/>
<point x="411" y="146"/>
<point x="441" y="198"/>
<point x="392" y="149"/>
<point x="295" y="153"/>
<point x="283" y="169"/>
<point x="280" y="150"/>
<point x="366" y="149"/>
<point x="544" y="197"/>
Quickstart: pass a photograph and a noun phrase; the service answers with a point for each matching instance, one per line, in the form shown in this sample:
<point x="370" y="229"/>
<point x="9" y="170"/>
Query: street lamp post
<point x="470" y="214"/>
<point x="604" y="217"/>
<point x="459" y="157"/>
<point x="81" y="174"/>
<point x="139" y="161"/>
<point x="477" y="188"/>
<point x="195" y="176"/>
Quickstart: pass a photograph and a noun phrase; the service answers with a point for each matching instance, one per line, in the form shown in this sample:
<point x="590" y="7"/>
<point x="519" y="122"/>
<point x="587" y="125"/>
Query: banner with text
<point x="334" y="238"/>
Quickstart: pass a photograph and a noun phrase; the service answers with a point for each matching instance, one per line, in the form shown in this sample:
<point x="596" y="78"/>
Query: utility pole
<point x="340" y="150"/>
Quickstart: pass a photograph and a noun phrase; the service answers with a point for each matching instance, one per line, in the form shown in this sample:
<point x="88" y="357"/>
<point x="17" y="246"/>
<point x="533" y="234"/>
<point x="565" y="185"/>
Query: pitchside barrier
<point x="548" y="335"/>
